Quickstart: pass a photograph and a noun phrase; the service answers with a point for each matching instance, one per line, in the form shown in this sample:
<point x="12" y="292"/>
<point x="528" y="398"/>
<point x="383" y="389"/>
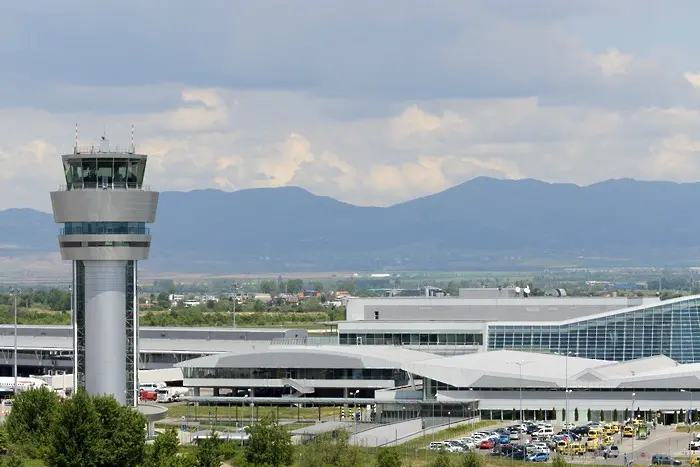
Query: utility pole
<point x="234" y="299"/>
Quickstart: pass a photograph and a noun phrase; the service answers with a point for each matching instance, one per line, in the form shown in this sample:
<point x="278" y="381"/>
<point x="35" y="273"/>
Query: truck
<point x="170" y="394"/>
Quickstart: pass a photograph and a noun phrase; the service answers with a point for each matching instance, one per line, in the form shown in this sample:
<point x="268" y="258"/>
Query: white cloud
<point x="372" y="103"/>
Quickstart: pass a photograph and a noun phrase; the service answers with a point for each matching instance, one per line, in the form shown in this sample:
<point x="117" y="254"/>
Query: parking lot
<point x="663" y="440"/>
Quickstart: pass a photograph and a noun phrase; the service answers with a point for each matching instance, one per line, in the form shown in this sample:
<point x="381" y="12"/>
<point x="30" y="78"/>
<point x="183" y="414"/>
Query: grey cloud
<point x="392" y="50"/>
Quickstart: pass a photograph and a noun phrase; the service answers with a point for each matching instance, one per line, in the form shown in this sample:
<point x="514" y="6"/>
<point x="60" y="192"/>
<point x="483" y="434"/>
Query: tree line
<point x="96" y="431"/>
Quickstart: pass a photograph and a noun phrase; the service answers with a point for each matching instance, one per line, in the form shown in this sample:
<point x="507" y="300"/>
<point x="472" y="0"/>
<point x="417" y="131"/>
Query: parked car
<point x="610" y="452"/>
<point x="538" y="457"/>
<point x="658" y="459"/>
<point x="486" y="444"/>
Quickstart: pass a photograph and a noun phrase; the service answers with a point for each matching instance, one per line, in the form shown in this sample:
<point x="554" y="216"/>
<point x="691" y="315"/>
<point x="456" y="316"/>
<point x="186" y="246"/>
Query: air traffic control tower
<point x="104" y="208"/>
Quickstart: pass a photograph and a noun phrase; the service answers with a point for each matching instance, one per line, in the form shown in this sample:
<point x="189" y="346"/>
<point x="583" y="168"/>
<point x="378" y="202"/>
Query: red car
<point x="486" y="444"/>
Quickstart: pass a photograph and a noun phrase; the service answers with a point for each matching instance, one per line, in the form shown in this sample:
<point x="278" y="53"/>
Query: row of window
<point x="105" y="244"/>
<point x="93" y="172"/>
<point x="105" y="228"/>
<point x="411" y="339"/>
<point x="297" y="373"/>
<point x="667" y="329"/>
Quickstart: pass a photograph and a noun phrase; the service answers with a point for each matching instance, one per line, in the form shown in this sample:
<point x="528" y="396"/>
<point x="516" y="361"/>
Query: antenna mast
<point x="75" y="148"/>
<point x="133" y="146"/>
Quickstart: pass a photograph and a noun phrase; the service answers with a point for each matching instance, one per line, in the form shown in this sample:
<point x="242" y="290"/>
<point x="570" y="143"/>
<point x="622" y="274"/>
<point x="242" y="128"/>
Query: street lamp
<point x="566" y="391"/>
<point x="354" y="410"/>
<point x="634" y="417"/>
<point x="233" y="301"/>
<point x="690" y="409"/>
<point x="14" y="292"/>
<point x="520" y="365"/>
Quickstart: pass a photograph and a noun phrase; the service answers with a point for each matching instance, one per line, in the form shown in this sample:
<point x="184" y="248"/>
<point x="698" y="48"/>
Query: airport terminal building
<point x="496" y="351"/>
<point x="608" y="328"/>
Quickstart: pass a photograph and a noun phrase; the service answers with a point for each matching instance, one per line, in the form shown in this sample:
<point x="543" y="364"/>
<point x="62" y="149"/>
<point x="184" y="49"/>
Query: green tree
<point x="331" y="450"/>
<point x="123" y="431"/>
<point x="209" y="452"/>
<point x="588" y="415"/>
<point x="4" y="440"/>
<point x="294" y="286"/>
<point x="576" y="414"/>
<point x="164" y="452"/>
<point x="390" y="457"/>
<point x="627" y="413"/>
<point x="268" y="287"/>
<point x="76" y="440"/>
<point x="269" y="445"/>
<point x="441" y="460"/>
<point x="614" y="415"/>
<point x="90" y="431"/>
<point x="563" y="415"/>
<point x="472" y="459"/>
<point x="29" y="423"/>
<point x="602" y="415"/>
<point x="13" y="460"/>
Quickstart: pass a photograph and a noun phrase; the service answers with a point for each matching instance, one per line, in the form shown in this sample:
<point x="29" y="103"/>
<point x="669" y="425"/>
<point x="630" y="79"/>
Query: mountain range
<point x="484" y="223"/>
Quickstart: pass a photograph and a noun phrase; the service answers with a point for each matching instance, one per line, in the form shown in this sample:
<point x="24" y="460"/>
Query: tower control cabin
<point x="104" y="208"/>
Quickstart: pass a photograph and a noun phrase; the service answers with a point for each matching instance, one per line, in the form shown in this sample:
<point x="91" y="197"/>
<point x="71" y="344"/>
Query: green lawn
<point x="243" y="413"/>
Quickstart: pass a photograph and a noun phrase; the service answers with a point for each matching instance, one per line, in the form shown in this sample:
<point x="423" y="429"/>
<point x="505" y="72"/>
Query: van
<point x="628" y="432"/>
<point x="544" y="432"/>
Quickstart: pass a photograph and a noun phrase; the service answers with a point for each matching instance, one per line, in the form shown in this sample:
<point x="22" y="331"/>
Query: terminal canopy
<point x="104" y="171"/>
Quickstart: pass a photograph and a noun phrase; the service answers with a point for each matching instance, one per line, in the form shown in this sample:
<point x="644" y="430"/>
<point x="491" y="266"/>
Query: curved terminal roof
<point x="493" y="370"/>
<point x="263" y="355"/>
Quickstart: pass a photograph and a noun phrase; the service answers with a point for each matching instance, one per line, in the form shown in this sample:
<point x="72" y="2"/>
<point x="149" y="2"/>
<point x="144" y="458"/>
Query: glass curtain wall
<point x="671" y="329"/>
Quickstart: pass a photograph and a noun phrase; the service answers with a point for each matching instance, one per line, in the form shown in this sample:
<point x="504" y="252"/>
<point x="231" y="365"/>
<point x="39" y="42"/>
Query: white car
<point x="514" y="436"/>
<point x="541" y="447"/>
<point x="569" y="426"/>
<point x="469" y="443"/>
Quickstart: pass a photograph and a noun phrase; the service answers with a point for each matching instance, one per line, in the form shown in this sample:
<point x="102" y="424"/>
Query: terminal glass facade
<point x="387" y="374"/>
<point x="456" y="338"/>
<point x="671" y="329"/>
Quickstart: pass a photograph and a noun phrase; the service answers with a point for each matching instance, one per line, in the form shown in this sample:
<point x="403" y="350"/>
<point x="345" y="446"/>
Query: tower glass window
<point x="104" y="172"/>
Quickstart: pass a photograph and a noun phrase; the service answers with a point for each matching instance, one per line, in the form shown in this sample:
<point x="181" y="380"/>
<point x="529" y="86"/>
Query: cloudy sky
<point x="369" y="102"/>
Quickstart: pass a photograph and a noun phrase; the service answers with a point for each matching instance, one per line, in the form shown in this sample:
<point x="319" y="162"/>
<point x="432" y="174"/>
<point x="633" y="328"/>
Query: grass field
<point x="211" y="412"/>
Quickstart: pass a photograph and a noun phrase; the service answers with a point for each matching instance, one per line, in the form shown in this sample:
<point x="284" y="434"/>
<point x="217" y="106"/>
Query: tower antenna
<point x="133" y="146"/>
<point x="75" y="148"/>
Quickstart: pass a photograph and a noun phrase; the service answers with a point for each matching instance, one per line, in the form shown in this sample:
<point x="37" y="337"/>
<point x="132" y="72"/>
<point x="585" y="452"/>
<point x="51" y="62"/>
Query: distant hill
<point x="481" y="224"/>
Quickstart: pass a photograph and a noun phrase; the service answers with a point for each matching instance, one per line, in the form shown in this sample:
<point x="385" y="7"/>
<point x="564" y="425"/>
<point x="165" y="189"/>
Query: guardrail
<point x="95" y="186"/>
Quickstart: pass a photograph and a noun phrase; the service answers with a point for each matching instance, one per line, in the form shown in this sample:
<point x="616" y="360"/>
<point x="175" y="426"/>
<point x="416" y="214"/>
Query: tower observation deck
<point x="104" y="208"/>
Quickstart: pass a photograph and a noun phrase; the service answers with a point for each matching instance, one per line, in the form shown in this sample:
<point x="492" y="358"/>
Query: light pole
<point x="634" y="425"/>
<point x="690" y="409"/>
<point x="354" y="411"/>
<point x="520" y="366"/>
<point x="14" y="291"/>
<point x="234" y="299"/>
<point x="566" y="365"/>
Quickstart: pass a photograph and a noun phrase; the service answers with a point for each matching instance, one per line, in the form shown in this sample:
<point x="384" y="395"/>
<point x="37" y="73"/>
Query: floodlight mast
<point x="521" y="364"/>
<point x="104" y="208"/>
